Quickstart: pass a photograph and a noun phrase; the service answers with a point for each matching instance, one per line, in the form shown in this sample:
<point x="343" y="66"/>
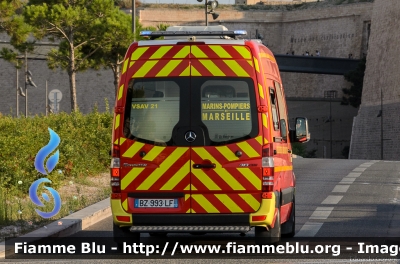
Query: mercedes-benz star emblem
<point x="190" y="136"/>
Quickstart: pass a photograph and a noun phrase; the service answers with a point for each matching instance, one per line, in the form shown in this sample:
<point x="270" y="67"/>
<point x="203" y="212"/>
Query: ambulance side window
<point x="274" y="108"/>
<point x="282" y="110"/>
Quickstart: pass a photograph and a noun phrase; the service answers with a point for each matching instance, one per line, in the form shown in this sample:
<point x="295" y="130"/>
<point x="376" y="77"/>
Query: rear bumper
<point x="266" y="209"/>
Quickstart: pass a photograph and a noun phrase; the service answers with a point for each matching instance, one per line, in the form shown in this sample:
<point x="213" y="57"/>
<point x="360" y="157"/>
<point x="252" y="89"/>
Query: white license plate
<point x="156" y="203"/>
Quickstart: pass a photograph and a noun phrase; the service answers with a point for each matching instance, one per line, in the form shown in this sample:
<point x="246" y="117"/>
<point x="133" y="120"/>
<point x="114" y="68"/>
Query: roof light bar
<point x="156" y="34"/>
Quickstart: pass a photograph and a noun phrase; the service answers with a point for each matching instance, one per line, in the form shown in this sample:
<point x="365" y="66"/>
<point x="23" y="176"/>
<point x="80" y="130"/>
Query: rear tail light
<point x="115" y="151"/>
<point x="115" y="173"/>
<point x="267" y="170"/>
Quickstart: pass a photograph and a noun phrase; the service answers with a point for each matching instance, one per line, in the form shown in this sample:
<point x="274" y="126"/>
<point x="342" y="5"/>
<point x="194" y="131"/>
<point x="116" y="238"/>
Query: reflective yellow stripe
<point x="248" y="174"/>
<point x="250" y="200"/>
<point x="182" y="53"/>
<point x="265" y="141"/>
<point x="164" y="166"/>
<point x="187" y="196"/>
<point x="243" y="51"/>
<point x="193" y="188"/>
<point x="193" y="211"/>
<point x="178" y="176"/>
<point x="220" y="51"/>
<point x="138" y="53"/>
<point x="283" y="168"/>
<point x="227" y="201"/>
<point x="132" y="174"/>
<point x="187" y="188"/>
<point x="215" y="71"/>
<point x="153" y="153"/>
<point x="133" y="150"/>
<point x="265" y="120"/>
<point x="186" y="72"/>
<point x="194" y="71"/>
<point x="256" y="65"/>
<point x="248" y="149"/>
<point x="131" y="64"/>
<point x="125" y="204"/>
<point x="236" y="68"/>
<point x="171" y="65"/>
<point x="188" y="211"/>
<point x="116" y="142"/>
<point x="145" y="68"/>
<point x="116" y="125"/>
<point x="227" y="153"/>
<point x="210" y="184"/>
<point x="121" y="141"/>
<point x="261" y="91"/>
<point x="198" y="53"/>
<point x="203" y="202"/>
<point x="120" y="92"/>
<point x="160" y="52"/>
<point x="259" y="140"/>
<point x="265" y="55"/>
<point x="125" y="66"/>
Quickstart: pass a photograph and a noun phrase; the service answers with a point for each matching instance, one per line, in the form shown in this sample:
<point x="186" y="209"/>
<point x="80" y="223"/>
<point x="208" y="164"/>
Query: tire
<point x="289" y="227"/>
<point x="272" y="236"/>
<point x="122" y="234"/>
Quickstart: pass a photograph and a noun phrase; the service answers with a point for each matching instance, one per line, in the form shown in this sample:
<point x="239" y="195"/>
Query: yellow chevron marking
<point x="177" y="177"/>
<point x="187" y="188"/>
<point x="227" y="201"/>
<point x="125" y="66"/>
<point x="210" y="184"/>
<point x="254" y="179"/>
<point x="186" y="72"/>
<point x="133" y="150"/>
<point x="283" y="168"/>
<point x="171" y="65"/>
<point x="121" y="141"/>
<point x="145" y="68"/>
<point x="259" y="140"/>
<point x="243" y="51"/>
<point x="261" y="91"/>
<point x="183" y="53"/>
<point x="116" y="125"/>
<point x="194" y="71"/>
<point x="132" y="174"/>
<point x="138" y="53"/>
<point x="193" y="187"/>
<point x="116" y="142"/>
<point x="120" y="92"/>
<point x="160" y="52"/>
<point x="248" y="149"/>
<point x="153" y="153"/>
<point x="164" y="166"/>
<point x="203" y="202"/>
<point x="250" y="200"/>
<point x="227" y="153"/>
<point x="265" y="140"/>
<point x="250" y="63"/>
<point x="125" y="204"/>
<point x="265" y="55"/>
<point x="222" y="173"/>
<point x="198" y="53"/>
<point x="187" y="196"/>
<point x="188" y="211"/>
<point x="131" y="64"/>
<point x="265" y="120"/>
<point x="236" y="68"/>
<point x="220" y="51"/>
<point x="209" y="65"/>
<point x="193" y="211"/>
<point x="256" y="65"/>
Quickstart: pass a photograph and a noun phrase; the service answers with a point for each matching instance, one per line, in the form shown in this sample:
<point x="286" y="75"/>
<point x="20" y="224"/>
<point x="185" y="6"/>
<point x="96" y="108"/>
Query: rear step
<point x="184" y="229"/>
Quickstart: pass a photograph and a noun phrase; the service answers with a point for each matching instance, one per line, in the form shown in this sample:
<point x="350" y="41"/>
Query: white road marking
<point x="354" y="174"/>
<point x="321" y="213"/>
<point x="359" y="169"/>
<point x="341" y="188"/>
<point x="332" y="199"/>
<point x="309" y="229"/>
<point x="347" y="180"/>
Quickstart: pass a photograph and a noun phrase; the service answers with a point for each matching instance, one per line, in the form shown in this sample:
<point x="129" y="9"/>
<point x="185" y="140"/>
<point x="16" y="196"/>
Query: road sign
<point x="55" y="95"/>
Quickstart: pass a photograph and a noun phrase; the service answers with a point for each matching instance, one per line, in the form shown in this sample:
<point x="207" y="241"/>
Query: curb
<point x="71" y="224"/>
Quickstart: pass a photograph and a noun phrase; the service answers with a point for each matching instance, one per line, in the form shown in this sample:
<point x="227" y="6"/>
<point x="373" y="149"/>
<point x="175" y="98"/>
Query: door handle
<point x="204" y="166"/>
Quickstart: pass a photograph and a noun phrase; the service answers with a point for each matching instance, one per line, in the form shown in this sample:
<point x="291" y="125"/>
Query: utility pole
<point x="206" y="9"/>
<point x="330" y="94"/>
<point x="133" y="20"/>
<point x="26" y="83"/>
<point x="381" y="124"/>
<point x="16" y="81"/>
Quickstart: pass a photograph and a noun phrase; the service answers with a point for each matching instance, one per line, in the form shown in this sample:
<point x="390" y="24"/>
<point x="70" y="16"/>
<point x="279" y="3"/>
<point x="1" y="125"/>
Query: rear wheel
<point x="271" y="236"/>
<point x="122" y="234"/>
<point x="289" y="227"/>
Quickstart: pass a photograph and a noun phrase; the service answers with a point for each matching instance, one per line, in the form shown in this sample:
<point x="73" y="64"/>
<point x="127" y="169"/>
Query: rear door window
<point x="226" y="107"/>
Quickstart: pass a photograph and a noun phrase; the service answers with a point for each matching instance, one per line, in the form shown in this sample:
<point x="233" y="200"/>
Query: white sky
<point x="224" y="2"/>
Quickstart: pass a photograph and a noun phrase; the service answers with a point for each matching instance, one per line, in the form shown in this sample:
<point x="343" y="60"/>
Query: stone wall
<point x="382" y="74"/>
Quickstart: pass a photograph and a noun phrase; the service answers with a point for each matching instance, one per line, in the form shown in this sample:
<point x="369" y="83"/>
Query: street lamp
<point x="213" y="5"/>
<point x="331" y="94"/>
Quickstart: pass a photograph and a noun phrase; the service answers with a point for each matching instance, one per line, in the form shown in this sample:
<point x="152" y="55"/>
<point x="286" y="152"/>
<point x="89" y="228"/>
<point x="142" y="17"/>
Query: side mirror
<point x="301" y="133"/>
